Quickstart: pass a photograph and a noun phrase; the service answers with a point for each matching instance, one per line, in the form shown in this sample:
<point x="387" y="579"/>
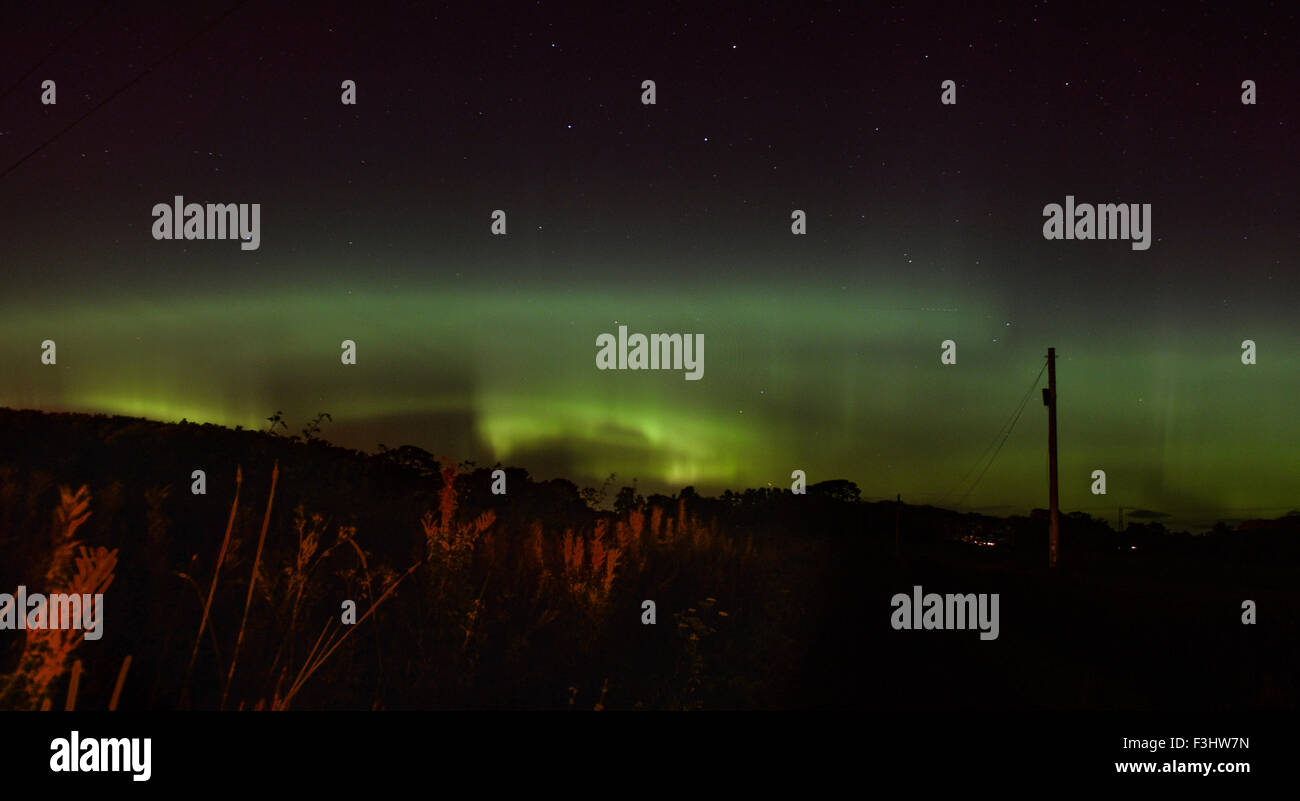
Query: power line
<point x="128" y="85"/>
<point x="998" y="439"/>
<point x="989" y="447"/>
<point x="1003" y="442"/>
<point x="57" y="47"/>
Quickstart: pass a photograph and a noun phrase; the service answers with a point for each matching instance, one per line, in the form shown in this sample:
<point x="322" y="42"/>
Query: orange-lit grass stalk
<point x="324" y="647"/>
<point x="212" y="589"/>
<point x="252" y="582"/>
<point x="121" y="681"/>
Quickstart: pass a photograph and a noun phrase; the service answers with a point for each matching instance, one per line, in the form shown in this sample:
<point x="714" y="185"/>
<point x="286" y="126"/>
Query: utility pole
<point x="1049" y="398"/>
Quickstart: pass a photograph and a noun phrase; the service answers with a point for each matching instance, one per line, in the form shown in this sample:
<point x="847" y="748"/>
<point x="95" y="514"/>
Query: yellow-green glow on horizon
<point x="167" y="411"/>
<point x="839" y="384"/>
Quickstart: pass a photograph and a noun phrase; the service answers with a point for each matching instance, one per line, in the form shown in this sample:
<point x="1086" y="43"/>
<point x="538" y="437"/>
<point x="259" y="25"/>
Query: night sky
<point x="822" y="351"/>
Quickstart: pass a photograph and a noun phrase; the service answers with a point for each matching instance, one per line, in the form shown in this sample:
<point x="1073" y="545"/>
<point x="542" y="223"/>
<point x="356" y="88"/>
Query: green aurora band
<point x="830" y="382"/>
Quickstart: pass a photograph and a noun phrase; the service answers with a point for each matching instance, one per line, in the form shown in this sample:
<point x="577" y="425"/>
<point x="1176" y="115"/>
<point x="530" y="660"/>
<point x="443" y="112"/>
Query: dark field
<point x="533" y="599"/>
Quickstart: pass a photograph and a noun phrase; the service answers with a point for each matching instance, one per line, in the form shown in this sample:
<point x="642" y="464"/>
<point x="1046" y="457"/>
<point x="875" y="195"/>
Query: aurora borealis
<point x="823" y="350"/>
